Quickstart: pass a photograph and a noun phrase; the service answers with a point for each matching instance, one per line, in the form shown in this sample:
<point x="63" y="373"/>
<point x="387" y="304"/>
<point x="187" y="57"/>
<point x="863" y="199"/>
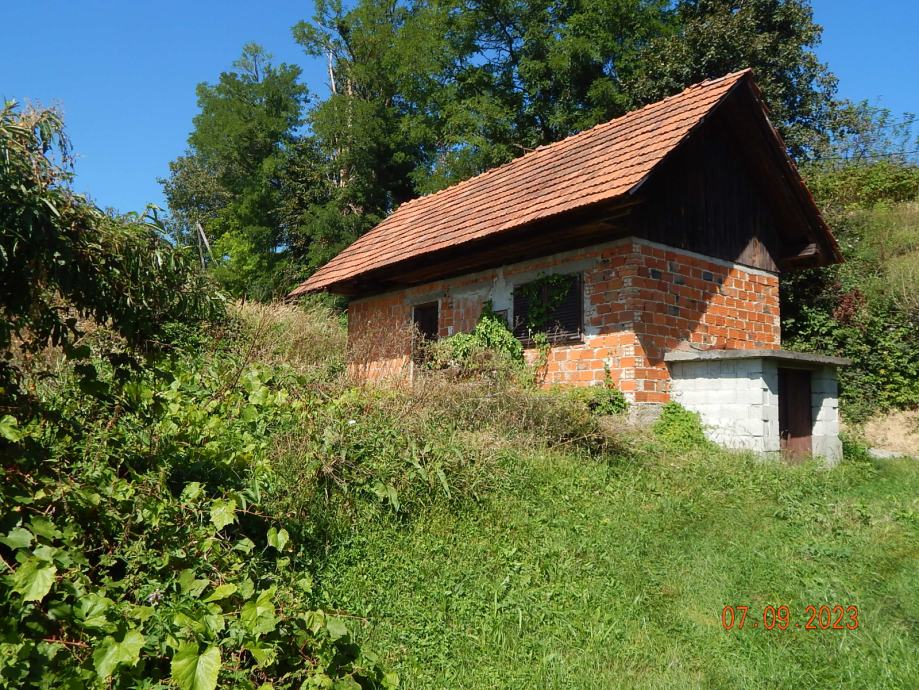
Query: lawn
<point x="576" y="573"/>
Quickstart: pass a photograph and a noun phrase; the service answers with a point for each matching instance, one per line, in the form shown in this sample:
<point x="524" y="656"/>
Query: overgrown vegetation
<point x="135" y="467"/>
<point x="865" y="309"/>
<point x="489" y="350"/>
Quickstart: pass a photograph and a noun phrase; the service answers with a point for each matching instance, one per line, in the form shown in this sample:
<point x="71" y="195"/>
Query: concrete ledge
<point x="781" y="355"/>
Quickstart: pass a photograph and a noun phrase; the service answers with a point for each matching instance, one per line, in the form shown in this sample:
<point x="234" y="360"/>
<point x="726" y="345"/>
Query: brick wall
<point x="641" y="300"/>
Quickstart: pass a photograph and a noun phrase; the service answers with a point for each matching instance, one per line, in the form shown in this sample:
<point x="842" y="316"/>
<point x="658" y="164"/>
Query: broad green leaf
<point x="191" y="491"/>
<point x="336" y="627"/>
<point x="257" y="615"/>
<point x="45" y="553"/>
<point x="183" y="620"/>
<point x="346" y="683"/>
<point x="244" y="545"/>
<point x="17" y="538"/>
<point x="246" y="588"/>
<point x="305" y="583"/>
<point x="391" y="680"/>
<point x="194" y="671"/>
<point x="223" y="512"/>
<point x="222" y="592"/>
<point x="141" y="613"/>
<point x="278" y="538"/>
<point x="92" y="610"/>
<point x="191" y="586"/>
<point x="111" y="652"/>
<point x="214" y="622"/>
<point x="262" y="655"/>
<point x="33" y="579"/>
<point x="315" y="620"/>
<point x="43" y="527"/>
<point x="9" y="428"/>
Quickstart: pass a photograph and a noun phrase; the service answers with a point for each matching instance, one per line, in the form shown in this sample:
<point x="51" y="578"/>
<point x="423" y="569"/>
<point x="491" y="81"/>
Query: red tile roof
<point x="598" y="164"/>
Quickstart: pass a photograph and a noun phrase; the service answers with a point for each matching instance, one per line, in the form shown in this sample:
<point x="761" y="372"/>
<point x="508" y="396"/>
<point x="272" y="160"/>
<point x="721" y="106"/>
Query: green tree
<point x="63" y="261"/>
<point x="229" y="180"/>
<point x="524" y="74"/>
<point x="373" y="131"/>
<point x="776" y="38"/>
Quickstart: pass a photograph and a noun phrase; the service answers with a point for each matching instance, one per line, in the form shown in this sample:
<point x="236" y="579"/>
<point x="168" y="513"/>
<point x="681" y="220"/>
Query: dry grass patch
<point x="307" y="336"/>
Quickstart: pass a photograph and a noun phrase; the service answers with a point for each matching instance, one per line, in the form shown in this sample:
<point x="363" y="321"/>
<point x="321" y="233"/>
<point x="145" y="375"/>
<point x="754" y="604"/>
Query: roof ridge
<point x="606" y="123"/>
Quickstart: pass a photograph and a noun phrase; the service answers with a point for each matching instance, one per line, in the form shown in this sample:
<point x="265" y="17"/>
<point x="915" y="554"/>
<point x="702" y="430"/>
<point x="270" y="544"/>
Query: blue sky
<point x="124" y="72"/>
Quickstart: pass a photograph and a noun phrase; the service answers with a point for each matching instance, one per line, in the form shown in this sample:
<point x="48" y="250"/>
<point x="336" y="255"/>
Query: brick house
<point x="666" y="228"/>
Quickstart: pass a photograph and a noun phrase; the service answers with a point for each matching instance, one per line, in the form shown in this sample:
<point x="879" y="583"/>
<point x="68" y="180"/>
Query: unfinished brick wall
<point x="641" y="300"/>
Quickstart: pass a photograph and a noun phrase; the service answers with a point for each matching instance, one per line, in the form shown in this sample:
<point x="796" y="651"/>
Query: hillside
<point x="517" y="540"/>
<point x="196" y="494"/>
<point x="465" y="534"/>
<point x="579" y="573"/>
<point x="480" y="535"/>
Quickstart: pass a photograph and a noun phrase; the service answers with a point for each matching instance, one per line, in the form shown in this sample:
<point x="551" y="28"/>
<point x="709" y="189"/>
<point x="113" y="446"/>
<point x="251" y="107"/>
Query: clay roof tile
<point x="598" y="164"/>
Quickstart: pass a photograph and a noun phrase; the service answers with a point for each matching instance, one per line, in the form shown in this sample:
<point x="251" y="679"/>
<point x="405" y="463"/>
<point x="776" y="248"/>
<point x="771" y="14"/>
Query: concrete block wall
<point x="825" y="440"/>
<point x="737" y="400"/>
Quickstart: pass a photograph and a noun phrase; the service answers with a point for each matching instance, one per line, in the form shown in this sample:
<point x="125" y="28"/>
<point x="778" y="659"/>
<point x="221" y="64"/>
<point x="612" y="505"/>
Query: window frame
<point x="556" y="338"/>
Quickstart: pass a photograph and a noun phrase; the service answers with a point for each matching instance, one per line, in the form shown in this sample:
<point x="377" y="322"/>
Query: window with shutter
<point x="553" y="307"/>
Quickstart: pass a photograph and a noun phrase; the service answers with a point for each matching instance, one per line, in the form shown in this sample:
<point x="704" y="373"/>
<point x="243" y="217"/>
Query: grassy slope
<point x="575" y="574"/>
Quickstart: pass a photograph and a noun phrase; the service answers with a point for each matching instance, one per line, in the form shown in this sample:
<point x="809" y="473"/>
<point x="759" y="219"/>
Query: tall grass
<point x="486" y="534"/>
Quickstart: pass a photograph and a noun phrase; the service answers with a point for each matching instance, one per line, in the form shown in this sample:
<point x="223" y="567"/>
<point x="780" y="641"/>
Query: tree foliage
<point x="776" y="38"/>
<point x="229" y="180"/>
<point x="426" y="93"/>
<point x="63" y="260"/>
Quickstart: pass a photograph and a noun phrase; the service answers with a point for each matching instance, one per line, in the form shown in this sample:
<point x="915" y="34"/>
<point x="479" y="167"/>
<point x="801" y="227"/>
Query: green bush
<point x="602" y="400"/>
<point x="139" y="545"/>
<point x="490" y="350"/>
<point x="679" y="430"/>
<point x="867" y="308"/>
<point x="135" y="539"/>
<point x="64" y="262"/>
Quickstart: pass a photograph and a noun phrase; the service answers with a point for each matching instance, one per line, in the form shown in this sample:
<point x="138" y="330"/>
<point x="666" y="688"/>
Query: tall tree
<point x="423" y="93"/>
<point x="372" y="132"/>
<point x="523" y="74"/>
<point x="228" y="180"/>
<point x="776" y="38"/>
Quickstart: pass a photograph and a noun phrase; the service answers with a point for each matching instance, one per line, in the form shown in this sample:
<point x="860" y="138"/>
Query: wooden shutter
<point x="426" y="319"/>
<point x="565" y="322"/>
<point x="521" y="307"/>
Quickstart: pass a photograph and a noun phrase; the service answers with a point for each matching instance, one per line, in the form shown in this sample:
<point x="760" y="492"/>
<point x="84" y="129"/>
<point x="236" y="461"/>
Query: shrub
<point x="680" y="430"/>
<point x="602" y="400"/>
<point x="64" y="262"/>
<point x="139" y="543"/>
<point x="865" y="309"/>
<point x="490" y="350"/>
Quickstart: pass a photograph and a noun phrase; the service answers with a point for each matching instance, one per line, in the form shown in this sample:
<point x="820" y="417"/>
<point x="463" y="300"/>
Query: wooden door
<point x="795" y="422"/>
